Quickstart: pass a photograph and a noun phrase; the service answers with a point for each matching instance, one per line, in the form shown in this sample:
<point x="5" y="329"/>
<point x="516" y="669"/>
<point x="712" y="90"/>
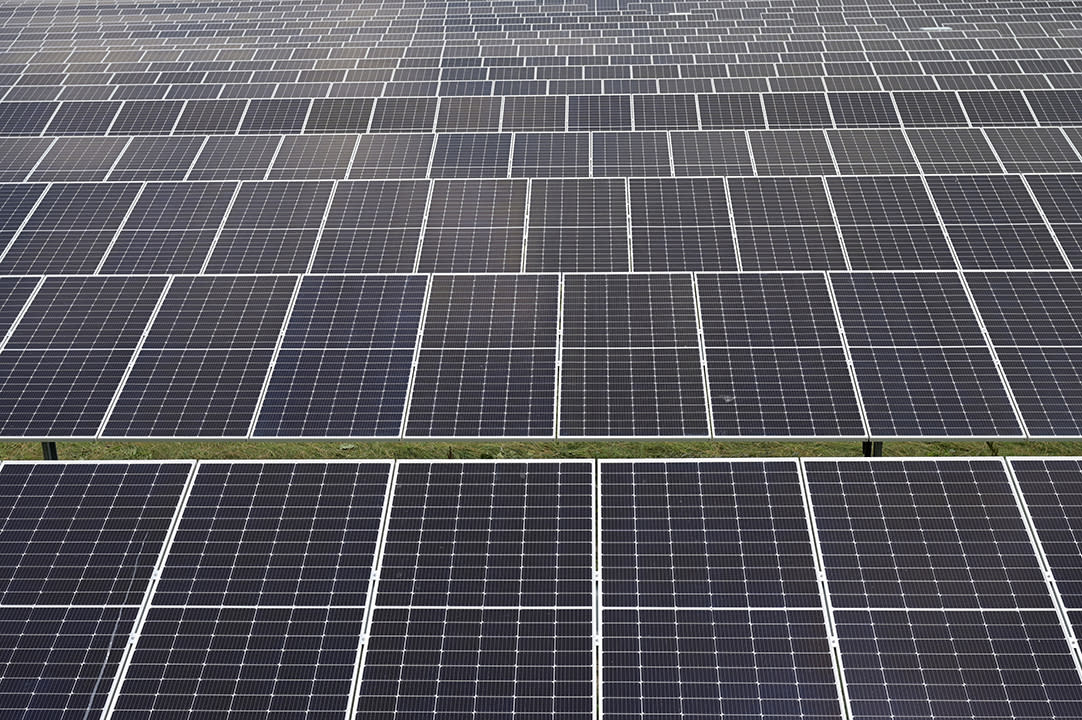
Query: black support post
<point x="48" y="451"/>
<point x="873" y="448"/>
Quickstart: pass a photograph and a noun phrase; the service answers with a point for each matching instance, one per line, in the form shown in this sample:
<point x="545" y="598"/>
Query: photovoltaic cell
<point x="79" y="159"/>
<point x="774" y="356"/>
<point x="1049" y="489"/>
<point x="202" y="369"/>
<point x="272" y="227"/>
<point x="222" y="311"/>
<point x="87" y="313"/>
<point x="14" y="292"/>
<point x="710" y="153"/>
<point x="577" y="225"/>
<point x="1033" y="308"/>
<point x="235" y="157"/>
<point x="151" y="158"/>
<point x="170" y="228"/>
<point x="57" y="393"/>
<point x="70" y="229"/>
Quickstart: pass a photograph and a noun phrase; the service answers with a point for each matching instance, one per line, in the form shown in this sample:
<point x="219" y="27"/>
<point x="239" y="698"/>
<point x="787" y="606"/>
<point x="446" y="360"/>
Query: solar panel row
<point x="861" y="222"/>
<point x="523" y="106"/>
<point x="418" y="588"/>
<point x="533" y="355"/>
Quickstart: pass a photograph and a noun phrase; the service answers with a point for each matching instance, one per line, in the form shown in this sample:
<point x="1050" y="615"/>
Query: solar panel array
<point x="611" y="589"/>
<point x="505" y="219"/>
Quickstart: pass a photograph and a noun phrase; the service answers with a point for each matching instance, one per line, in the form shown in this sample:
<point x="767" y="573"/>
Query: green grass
<point x="517" y="450"/>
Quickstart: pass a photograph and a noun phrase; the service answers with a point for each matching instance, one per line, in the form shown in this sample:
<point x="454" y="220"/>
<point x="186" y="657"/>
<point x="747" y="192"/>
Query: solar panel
<point x="14" y="292"/>
<point x="872" y="151"/>
<point x="211" y="117"/>
<point x="487" y="361"/>
<point x="474" y="226"/>
<point x="276" y="534"/>
<point x="60" y="661"/>
<point x="197" y="661"/>
<point x="962" y="663"/>
<point x="784" y="224"/>
<point x="775" y="358"/>
<point x="79" y="159"/>
<point x="635" y="368"/>
<point x="201" y="369"/>
<point x="577" y="225"/>
<point x="489" y="535"/>
<point x="87" y="313"/>
<point x="152" y="158"/>
<point x="923" y="535"/>
<point x="436" y="662"/>
<point x="705" y="534"/>
<point x="951" y="386"/>
<point x="680" y="224"/>
<point x="344" y="367"/>
<point x="717" y="663"/>
<point x="710" y="153"/>
<point x="70" y="228"/>
<point x="84" y="534"/>
<point x="170" y="229"/>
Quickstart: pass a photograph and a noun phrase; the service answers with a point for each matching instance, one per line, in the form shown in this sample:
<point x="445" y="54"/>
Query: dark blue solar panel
<point x="487" y="364"/>
<point x="60" y="662"/>
<point x="717" y="663"/>
<point x="190" y="393"/>
<point x="1050" y="488"/>
<point x="88" y="313"/>
<point x="84" y="534"/>
<point x="347" y="353"/>
<point x="242" y="662"/>
<point x="222" y="312"/>
<point x="359" y="312"/>
<point x="435" y="662"/>
<point x="490" y="534"/>
<point x="57" y="393"/>
<point x="705" y="534"/>
<point x="14" y="292"/>
<point x="957" y="664"/>
<point x="923" y="534"/>
<point x="299" y="534"/>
